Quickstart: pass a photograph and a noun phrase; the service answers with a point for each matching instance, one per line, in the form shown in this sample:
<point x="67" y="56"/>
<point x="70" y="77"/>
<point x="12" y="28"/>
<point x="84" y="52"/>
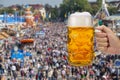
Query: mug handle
<point x="97" y="52"/>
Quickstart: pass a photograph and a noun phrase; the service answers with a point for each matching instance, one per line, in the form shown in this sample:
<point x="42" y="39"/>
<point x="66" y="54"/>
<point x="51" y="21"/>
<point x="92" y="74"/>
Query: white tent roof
<point x="113" y="18"/>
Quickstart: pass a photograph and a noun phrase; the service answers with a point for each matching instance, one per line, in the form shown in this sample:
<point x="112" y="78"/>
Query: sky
<point x="51" y="2"/>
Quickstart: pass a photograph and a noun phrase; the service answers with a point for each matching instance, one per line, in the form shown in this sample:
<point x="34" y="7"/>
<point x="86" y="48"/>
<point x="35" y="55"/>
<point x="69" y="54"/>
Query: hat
<point x="64" y="66"/>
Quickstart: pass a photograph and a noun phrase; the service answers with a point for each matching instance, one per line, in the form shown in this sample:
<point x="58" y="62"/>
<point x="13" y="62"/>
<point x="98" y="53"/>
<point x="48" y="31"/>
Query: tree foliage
<point x="7" y="10"/>
<point x="112" y="10"/>
<point x="99" y="3"/>
<point x="65" y="9"/>
<point x="70" y="6"/>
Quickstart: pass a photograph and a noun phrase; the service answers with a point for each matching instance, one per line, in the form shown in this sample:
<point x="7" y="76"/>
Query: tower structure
<point x="103" y="11"/>
<point x="28" y="16"/>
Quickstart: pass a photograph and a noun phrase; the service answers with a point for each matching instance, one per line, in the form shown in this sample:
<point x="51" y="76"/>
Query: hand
<point x="107" y="41"/>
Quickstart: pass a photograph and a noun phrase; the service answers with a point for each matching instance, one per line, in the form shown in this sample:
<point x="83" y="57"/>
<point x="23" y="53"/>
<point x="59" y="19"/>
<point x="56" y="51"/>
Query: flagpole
<point x="5" y="16"/>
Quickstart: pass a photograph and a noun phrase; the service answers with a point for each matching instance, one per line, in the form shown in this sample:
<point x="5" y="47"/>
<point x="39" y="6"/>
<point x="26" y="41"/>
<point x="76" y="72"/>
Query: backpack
<point x="55" y="74"/>
<point x="1" y="71"/>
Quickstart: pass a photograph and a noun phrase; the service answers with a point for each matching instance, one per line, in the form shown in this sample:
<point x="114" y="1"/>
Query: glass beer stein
<point x="80" y="43"/>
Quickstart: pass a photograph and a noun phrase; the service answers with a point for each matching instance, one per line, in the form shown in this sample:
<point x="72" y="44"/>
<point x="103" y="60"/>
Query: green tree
<point x="7" y="10"/>
<point x="112" y="10"/>
<point x="48" y="7"/>
<point x="99" y="3"/>
<point x="96" y="6"/>
<point x="70" y="6"/>
<point x="54" y="13"/>
<point x="1" y="11"/>
<point x="94" y="9"/>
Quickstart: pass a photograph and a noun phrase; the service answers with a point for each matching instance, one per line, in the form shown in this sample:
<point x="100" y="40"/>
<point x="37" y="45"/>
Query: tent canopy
<point x="19" y="54"/>
<point x="113" y="18"/>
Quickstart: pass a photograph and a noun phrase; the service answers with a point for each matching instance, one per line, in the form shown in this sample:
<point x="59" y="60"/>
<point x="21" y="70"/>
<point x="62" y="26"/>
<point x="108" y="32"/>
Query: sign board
<point x="117" y="63"/>
<point x="42" y="33"/>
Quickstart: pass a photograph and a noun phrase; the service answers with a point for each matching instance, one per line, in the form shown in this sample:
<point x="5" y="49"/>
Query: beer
<point x="80" y="39"/>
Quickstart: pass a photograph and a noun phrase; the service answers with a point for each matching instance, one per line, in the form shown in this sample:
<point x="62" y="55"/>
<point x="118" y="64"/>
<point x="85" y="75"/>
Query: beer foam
<point x="80" y="19"/>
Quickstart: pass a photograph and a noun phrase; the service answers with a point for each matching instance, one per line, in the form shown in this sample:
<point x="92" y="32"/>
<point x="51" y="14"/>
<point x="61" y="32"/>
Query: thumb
<point x="104" y="29"/>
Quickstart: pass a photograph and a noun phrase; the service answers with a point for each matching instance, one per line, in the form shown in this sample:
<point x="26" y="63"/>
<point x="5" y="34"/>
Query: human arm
<point x="107" y="41"/>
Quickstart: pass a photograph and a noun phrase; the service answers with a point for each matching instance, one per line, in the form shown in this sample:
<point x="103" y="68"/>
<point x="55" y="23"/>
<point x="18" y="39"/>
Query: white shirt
<point x="63" y="72"/>
<point x="50" y="73"/>
<point x="13" y="68"/>
<point x="46" y="67"/>
<point x="38" y="65"/>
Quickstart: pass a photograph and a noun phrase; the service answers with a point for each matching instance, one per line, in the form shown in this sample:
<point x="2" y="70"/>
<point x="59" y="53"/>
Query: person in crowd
<point x="49" y="56"/>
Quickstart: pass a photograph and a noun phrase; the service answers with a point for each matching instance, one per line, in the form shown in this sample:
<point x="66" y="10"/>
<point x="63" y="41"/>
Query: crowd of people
<point x="49" y="59"/>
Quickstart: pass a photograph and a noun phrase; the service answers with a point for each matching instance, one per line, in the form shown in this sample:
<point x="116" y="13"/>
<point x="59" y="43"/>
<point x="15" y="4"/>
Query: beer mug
<point x="80" y="39"/>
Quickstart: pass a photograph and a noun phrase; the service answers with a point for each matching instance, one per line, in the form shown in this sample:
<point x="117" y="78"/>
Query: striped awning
<point x="4" y="34"/>
<point x="113" y="18"/>
<point x="2" y="37"/>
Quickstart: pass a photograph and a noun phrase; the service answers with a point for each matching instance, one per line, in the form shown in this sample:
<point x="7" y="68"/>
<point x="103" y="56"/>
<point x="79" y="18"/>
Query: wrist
<point x="117" y="51"/>
<point x="117" y="45"/>
<point x="118" y="48"/>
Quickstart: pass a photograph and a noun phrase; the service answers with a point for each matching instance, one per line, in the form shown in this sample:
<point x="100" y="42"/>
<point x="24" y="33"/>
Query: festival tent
<point x="113" y="18"/>
<point x="11" y="19"/>
<point x="28" y="54"/>
<point x="27" y="40"/>
<point x="1" y="17"/>
<point x="19" y="54"/>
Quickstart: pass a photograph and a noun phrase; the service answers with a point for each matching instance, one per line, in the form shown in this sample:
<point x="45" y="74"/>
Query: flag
<point x="65" y="15"/>
<point x="16" y="16"/>
<point x="5" y="17"/>
<point x="49" y="15"/>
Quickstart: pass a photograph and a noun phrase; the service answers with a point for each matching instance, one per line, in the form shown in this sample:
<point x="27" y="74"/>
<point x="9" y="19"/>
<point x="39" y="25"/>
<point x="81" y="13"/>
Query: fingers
<point x="100" y="34"/>
<point x="101" y="38"/>
<point x="100" y="48"/>
<point x="104" y="39"/>
<point x="104" y="29"/>
<point x="100" y="44"/>
<point x="103" y="49"/>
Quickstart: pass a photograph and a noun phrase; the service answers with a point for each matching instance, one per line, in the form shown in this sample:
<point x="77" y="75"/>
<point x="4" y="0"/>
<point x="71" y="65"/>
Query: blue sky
<point x="51" y="2"/>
